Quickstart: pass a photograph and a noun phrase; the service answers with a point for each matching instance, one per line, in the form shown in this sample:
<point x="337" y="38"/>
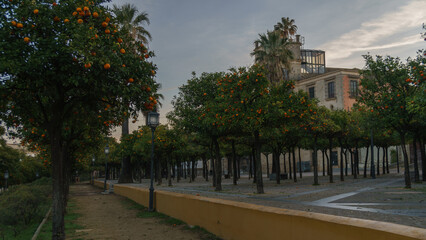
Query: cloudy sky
<point x="214" y="35"/>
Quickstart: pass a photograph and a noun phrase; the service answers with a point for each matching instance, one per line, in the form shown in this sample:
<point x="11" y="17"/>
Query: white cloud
<point x="373" y="34"/>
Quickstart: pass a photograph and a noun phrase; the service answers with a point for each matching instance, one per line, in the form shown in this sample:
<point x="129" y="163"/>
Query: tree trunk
<point x="218" y="165"/>
<point x="356" y="160"/>
<point x="378" y="161"/>
<point x="346" y="163"/>
<point x="178" y="166"/>
<point x="397" y="160"/>
<point x="229" y="161"/>
<point x="239" y="165"/>
<point x="193" y="173"/>
<point x="365" y="164"/>
<point x="383" y="161"/>
<point x="406" y="163"/>
<point x="285" y="166"/>
<point x="330" y="142"/>
<point x="259" y="179"/>
<point x="352" y="161"/>
<point x="387" y="160"/>
<point x="276" y="162"/>
<point x="126" y="168"/>
<point x="294" y="164"/>
<point x="253" y="151"/>
<point x="289" y="163"/>
<point x="58" y="183"/>
<point x="315" y="162"/>
<point x="250" y="166"/>
<point x="300" y="163"/>
<point x="423" y="156"/>
<point x="416" y="164"/>
<point x="342" y="178"/>
<point x="169" y="172"/>
<point x="327" y="162"/>
<point x="267" y="164"/>
<point x="234" y="163"/>
<point x="323" y="164"/>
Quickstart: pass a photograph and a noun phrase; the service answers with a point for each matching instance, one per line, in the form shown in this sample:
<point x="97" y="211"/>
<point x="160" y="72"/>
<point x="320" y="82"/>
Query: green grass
<point x="142" y="212"/>
<point x="23" y="232"/>
<point x="70" y="225"/>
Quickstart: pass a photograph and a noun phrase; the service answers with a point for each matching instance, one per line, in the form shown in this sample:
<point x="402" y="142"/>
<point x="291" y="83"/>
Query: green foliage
<point x="24" y="205"/>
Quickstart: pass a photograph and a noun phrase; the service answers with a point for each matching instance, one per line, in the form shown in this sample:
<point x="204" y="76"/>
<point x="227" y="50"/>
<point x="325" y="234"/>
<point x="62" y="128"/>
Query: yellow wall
<point x="236" y="220"/>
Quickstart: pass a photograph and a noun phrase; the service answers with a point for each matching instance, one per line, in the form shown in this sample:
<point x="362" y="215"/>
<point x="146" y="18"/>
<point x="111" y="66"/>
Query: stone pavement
<point x="382" y="199"/>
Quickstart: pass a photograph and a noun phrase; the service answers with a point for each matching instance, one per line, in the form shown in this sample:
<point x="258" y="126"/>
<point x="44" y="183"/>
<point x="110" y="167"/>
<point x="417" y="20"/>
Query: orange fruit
<point x="119" y="40"/>
<point x="81" y="13"/>
<point x="54" y="4"/>
<point x="80" y="21"/>
<point x="95" y="14"/>
<point x="107" y="66"/>
<point x="19" y="25"/>
<point x="13" y="23"/>
<point x="78" y="9"/>
<point x="86" y="9"/>
<point x="93" y="53"/>
<point x="66" y="20"/>
<point x="35" y="11"/>
<point x="96" y="35"/>
<point x="26" y="39"/>
<point x="146" y="56"/>
<point x="104" y="24"/>
<point x="107" y="19"/>
<point x="131" y="80"/>
<point x="124" y="65"/>
<point x="56" y="19"/>
<point x="122" y="50"/>
<point x="74" y="14"/>
<point x="107" y="31"/>
<point x="87" y="65"/>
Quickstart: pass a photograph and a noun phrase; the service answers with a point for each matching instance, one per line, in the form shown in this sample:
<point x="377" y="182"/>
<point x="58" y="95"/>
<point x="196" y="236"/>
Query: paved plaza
<point x="382" y="199"/>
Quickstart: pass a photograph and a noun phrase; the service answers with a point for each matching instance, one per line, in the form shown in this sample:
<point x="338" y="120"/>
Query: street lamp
<point x="6" y="176"/>
<point x="153" y="122"/>
<point x="106" y="166"/>
<point x="93" y="169"/>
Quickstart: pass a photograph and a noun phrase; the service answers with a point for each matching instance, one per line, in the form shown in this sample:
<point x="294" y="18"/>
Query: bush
<point x="22" y="204"/>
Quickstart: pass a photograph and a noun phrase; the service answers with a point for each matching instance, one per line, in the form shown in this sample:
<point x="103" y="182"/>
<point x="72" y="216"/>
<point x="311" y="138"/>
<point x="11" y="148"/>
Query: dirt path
<point x="109" y="217"/>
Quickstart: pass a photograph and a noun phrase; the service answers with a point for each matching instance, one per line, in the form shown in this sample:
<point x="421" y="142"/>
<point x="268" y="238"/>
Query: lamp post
<point x="93" y="169"/>
<point x="106" y="166"/>
<point x="152" y="122"/>
<point x="6" y="176"/>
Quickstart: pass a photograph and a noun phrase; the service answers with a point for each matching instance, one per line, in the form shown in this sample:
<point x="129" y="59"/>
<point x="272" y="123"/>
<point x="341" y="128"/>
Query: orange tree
<point x="243" y="98"/>
<point x="62" y="67"/>
<point x="386" y="88"/>
<point x="416" y="103"/>
<point x="196" y="109"/>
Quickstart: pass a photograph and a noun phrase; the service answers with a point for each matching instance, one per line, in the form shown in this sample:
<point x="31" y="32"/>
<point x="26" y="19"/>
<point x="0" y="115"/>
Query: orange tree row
<point x="65" y="76"/>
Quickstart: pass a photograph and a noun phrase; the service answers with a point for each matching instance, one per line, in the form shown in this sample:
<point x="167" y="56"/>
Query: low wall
<point x="236" y="220"/>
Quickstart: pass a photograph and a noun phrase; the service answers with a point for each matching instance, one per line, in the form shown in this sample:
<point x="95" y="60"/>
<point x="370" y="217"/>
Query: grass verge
<point x="142" y="212"/>
<point x="70" y="225"/>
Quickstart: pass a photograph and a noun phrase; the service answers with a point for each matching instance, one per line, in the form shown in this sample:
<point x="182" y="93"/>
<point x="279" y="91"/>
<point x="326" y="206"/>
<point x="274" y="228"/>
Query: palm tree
<point x="286" y="27"/>
<point x="272" y="51"/>
<point x="131" y="21"/>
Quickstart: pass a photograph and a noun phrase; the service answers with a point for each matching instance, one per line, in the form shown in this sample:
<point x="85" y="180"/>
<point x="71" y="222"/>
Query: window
<point x="353" y="88"/>
<point x="331" y="90"/>
<point x="311" y="92"/>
